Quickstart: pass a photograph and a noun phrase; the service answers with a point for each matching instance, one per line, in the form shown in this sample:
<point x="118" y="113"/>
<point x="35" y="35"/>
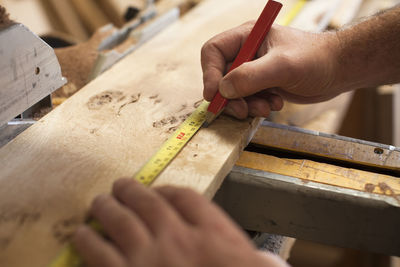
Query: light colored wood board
<point x="51" y="172"/>
<point x="69" y="18"/>
<point x="91" y="14"/>
<point x="327" y="147"/>
<point x="328" y="121"/>
<point x="371" y="7"/>
<point x="301" y="115"/>
<point x="311" y="171"/>
<point x="346" y="12"/>
<point x="315" y="15"/>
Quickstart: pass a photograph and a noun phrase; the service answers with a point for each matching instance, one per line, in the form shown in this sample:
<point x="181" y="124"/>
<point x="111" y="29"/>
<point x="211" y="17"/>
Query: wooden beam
<point x="311" y="171"/>
<point x="318" y="211"/>
<point x="328" y="146"/>
<point x="50" y="173"/>
<point x="346" y="12"/>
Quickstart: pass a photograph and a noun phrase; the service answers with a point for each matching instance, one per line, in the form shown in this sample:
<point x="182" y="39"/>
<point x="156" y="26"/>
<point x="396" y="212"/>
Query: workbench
<point x="330" y="201"/>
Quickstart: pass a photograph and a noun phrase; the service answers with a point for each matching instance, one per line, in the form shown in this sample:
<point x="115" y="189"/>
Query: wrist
<point x="330" y="49"/>
<point x="368" y="53"/>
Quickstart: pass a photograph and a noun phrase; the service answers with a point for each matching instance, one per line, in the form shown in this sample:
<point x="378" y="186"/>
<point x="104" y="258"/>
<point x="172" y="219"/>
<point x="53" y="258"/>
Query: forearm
<point x="369" y="53"/>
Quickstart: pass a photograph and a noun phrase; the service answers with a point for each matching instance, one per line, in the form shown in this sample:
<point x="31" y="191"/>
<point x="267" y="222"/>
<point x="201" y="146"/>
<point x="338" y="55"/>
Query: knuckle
<point x="210" y="45"/>
<point x="101" y="203"/>
<point x="249" y="23"/>
<point x="120" y="185"/>
<point x="124" y="188"/>
<point x="180" y="195"/>
<point x="124" y="222"/>
<point x="247" y="26"/>
<point x="183" y="194"/>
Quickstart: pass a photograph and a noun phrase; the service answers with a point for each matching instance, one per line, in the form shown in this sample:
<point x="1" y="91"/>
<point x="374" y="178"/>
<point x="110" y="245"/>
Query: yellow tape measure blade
<point x="170" y="149"/>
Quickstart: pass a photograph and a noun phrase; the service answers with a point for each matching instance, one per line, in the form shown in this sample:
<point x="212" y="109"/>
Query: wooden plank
<point x="50" y="173"/>
<point x="311" y="171"/>
<point x="270" y="201"/>
<point x="327" y="146"/>
<point x="301" y="115"/>
<point x="346" y="12"/>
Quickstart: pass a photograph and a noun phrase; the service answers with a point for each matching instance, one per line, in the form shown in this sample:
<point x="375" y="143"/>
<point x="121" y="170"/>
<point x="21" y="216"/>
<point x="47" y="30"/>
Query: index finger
<point x="217" y="53"/>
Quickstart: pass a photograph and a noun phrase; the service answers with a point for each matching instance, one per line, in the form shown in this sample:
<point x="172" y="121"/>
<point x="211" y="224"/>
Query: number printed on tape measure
<point x="172" y="146"/>
<point x="180" y="135"/>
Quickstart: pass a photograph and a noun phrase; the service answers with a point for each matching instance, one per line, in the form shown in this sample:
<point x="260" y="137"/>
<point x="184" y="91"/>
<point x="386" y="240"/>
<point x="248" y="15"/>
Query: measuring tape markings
<point x="68" y="257"/>
<point x="170" y="149"/>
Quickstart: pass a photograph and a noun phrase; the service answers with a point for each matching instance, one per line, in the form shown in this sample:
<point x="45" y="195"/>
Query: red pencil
<point x="246" y="53"/>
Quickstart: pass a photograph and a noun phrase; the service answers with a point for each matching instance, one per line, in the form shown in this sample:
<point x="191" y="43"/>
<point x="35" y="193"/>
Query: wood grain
<point x="311" y="171"/>
<point x="50" y="173"/>
<point x="331" y="147"/>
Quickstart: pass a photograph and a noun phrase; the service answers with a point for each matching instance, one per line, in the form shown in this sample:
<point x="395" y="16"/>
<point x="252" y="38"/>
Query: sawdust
<point x="5" y="20"/>
<point x="77" y="63"/>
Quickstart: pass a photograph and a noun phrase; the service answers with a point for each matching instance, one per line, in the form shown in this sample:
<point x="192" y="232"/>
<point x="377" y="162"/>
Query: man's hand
<point x="302" y="67"/>
<point x="165" y="226"/>
<point x="291" y="64"/>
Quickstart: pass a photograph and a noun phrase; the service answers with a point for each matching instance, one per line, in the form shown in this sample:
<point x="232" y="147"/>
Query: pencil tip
<point x="209" y="119"/>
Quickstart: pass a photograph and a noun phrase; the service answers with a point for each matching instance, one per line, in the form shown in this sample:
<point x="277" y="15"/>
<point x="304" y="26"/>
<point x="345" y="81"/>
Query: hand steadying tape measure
<point x="160" y="160"/>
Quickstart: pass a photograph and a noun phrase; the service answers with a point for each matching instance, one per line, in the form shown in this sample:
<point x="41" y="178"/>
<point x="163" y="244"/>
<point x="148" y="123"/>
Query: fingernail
<point x="226" y="89"/>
